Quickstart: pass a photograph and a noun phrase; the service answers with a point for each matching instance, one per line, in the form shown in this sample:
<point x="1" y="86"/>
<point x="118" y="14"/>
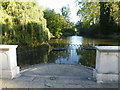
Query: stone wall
<point x="9" y="68"/>
<point x="107" y="60"/>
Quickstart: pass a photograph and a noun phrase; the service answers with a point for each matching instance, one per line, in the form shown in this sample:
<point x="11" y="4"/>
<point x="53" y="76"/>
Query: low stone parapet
<point x="8" y="62"/>
<point x="107" y="60"/>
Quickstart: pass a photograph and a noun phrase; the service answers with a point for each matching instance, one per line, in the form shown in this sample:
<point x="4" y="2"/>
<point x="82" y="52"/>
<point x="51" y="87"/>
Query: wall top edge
<point x="108" y="48"/>
<point x="8" y="46"/>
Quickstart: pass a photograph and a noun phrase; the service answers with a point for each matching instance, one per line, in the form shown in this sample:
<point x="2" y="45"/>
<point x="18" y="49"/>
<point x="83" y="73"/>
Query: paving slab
<point x="55" y="76"/>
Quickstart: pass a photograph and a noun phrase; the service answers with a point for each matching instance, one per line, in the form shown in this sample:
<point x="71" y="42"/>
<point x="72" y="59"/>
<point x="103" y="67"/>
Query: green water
<point x="72" y="53"/>
<point x="84" y="41"/>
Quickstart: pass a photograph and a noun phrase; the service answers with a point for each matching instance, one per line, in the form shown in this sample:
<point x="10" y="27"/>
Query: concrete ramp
<point x="55" y="76"/>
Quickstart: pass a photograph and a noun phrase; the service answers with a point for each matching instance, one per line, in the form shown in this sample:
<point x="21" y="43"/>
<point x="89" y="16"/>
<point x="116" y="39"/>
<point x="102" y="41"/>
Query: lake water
<point x="72" y="52"/>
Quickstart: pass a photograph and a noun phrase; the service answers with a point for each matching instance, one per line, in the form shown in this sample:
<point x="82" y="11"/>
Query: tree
<point x="116" y="15"/>
<point x="55" y="22"/>
<point x="23" y="23"/>
<point x="89" y="12"/>
<point x="105" y="17"/>
<point x="65" y="10"/>
<point x="100" y="18"/>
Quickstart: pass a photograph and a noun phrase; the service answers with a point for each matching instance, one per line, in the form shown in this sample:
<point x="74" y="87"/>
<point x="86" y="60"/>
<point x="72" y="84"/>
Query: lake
<point x="69" y="50"/>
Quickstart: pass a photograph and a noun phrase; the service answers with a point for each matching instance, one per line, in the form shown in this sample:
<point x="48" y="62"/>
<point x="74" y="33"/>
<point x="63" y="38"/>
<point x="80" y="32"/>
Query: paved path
<point x="55" y="76"/>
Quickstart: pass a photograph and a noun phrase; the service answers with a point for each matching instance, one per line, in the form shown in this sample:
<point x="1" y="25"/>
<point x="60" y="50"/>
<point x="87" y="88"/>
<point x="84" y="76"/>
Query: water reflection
<point x="69" y="56"/>
<point x="73" y="54"/>
<point x="77" y="40"/>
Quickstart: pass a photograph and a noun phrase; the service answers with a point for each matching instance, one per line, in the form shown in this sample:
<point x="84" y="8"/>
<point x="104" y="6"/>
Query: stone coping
<point x="108" y="48"/>
<point x="8" y="46"/>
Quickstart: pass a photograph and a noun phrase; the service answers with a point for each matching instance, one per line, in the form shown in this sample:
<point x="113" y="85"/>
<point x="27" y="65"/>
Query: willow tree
<point x="23" y="23"/>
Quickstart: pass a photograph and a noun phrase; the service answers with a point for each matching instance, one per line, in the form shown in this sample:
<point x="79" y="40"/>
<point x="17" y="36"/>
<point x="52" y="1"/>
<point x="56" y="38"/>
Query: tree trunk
<point x="105" y="18"/>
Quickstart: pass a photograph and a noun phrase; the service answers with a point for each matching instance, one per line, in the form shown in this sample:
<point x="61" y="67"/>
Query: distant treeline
<point x="99" y="19"/>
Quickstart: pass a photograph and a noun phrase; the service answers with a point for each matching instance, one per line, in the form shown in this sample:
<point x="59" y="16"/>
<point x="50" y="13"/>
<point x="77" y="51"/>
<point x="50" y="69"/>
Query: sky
<point x="58" y="4"/>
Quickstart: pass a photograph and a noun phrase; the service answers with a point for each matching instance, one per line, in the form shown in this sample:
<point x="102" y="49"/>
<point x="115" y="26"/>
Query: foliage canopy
<point x="23" y="23"/>
<point x="98" y="18"/>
